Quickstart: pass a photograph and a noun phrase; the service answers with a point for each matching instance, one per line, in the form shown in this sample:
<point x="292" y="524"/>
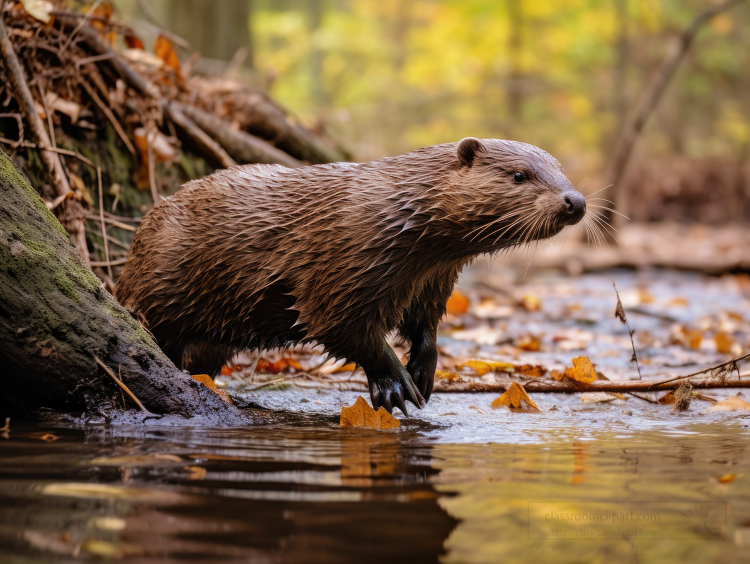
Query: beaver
<point x="344" y="254"/>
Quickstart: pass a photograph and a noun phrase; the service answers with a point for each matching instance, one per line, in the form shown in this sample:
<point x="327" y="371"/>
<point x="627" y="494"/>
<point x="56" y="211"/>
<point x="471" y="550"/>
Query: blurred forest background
<point x="387" y="76"/>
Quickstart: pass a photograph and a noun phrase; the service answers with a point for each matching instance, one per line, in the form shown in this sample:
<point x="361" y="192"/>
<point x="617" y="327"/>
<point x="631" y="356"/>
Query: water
<point x="441" y="488"/>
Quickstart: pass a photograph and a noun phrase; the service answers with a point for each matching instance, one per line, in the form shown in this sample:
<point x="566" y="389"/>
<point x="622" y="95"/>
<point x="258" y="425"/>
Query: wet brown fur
<point x="262" y="256"/>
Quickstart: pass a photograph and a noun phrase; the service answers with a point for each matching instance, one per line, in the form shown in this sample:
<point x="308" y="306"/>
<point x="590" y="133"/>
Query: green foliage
<point x="392" y="75"/>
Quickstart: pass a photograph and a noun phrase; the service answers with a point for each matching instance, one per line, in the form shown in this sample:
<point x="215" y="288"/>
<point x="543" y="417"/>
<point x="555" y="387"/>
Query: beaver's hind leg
<point x="204" y="357"/>
<point x="390" y="383"/>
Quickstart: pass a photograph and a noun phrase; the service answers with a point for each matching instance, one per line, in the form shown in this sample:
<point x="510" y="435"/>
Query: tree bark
<point x="56" y="319"/>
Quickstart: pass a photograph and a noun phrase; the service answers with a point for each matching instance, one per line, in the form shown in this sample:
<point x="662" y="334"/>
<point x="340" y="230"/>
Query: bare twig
<point x="213" y="150"/>
<point x="114" y="222"/>
<point x="104" y="225"/>
<point x="109" y="115"/>
<point x="121" y="384"/>
<point x="729" y="366"/>
<point x="116" y="262"/>
<point x="620" y="314"/>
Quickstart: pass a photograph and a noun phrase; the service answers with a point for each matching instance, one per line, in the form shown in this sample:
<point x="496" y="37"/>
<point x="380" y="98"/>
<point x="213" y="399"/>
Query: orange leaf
<point x="447" y="375"/>
<point x="528" y="343"/>
<point x="362" y="415"/>
<point x="458" y="304"/>
<point x="164" y="49"/>
<point x="724" y="342"/>
<point x="533" y="370"/>
<point x="133" y="42"/>
<point x="482" y="367"/>
<point x="204" y="379"/>
<point x="582" y="370"/>
<point x="517" y="400"/>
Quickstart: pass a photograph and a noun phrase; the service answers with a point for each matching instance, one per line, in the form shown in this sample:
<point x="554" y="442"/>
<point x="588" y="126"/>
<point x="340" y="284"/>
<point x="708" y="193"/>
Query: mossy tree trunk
<point x="55" y="317"/>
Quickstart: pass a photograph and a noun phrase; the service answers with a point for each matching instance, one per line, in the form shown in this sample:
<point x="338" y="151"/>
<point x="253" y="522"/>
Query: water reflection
<point x="316" y="493"/>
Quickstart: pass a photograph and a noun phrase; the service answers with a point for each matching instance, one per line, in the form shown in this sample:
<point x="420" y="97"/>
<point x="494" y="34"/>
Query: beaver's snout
<point x="576" y="208"/>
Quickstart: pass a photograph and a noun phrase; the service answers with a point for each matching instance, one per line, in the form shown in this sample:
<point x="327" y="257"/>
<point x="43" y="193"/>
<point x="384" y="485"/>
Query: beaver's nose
<point x="576" y="206"/>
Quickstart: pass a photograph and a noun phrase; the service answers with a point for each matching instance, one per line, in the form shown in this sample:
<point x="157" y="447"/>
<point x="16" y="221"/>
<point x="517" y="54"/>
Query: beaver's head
<point x="506" y="193"/>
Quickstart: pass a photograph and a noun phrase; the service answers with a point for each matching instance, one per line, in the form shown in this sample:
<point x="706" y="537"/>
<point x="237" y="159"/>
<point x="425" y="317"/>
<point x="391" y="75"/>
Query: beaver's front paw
<point x="422" y="364"/>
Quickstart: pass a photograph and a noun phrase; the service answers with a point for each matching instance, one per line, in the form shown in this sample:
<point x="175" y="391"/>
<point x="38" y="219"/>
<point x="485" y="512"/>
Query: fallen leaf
<point x="164" y="49"/>
<point x="38" y="9"/>
<point x="458" y="304"/>
<point x="597" y="397"/>
<point x="645" y="297"/>
<point x="196" y="472"/>
<point x="207" y="381"/>
<point x="517" y="400"/>
<point x="531" y="302"/>
<point x="667" y="399"/>
<point x="204" y="379"/>
<point x="680" y="302"/>
<point x="724" y="342"/>
<point x="67" y="107"/>
<point x="528" y="343"/>
<point x="730" y="404"/>
<point x="447" y="375"/>
<point x="582" y="370"/>
<point x="281" y="365"/>
<point x="482" y="367"/>
<point x="727" y="478"/>
<point x="362" y="415"/>
<point x="133" y="42"/>
<point x="557" y="374"/>
<point x="532" y="370"/>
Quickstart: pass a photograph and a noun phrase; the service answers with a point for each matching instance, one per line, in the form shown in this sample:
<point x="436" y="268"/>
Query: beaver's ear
<point x="467" y="150"/>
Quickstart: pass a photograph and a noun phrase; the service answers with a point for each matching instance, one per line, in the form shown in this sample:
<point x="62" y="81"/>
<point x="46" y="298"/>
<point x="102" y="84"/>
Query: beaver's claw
<point x="390" y="384"/>
<point x="422" y="364"/>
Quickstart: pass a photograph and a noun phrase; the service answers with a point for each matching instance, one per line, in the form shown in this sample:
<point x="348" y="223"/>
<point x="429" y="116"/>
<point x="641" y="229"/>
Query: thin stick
<point x="116" y="262"/>
<point x="108" y="113"/>
<point x="150" y="135"/>
<point x="567" y="386"/>
<point x="730" y="363"/>
<point x="120" y="383"/>
<point x="103" y="223"/>
<point x="114" y="222"/>
<point x="620" y="314"/>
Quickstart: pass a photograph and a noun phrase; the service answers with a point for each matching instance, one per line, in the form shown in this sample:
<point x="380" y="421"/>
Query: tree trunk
<point x="56" y="320"/>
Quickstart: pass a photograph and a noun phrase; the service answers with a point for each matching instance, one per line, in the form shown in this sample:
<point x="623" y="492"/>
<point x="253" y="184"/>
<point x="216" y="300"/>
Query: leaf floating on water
<point x="731" y="404"/>
<point x="458" y="304"/>
<point x="599" y="397"/>
<point x="582" y="370"/>
<point x="362" y="415"/>
<point x="517" y="400"/>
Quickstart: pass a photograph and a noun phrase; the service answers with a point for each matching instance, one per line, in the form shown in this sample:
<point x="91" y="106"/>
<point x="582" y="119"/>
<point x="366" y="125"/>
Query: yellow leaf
<point x="517" y="400"/>
<point x="727" y="478"/>
<point x="482" y="367"/>
<point x="447" y="375"/>
<point x="531" y="302"/>
<point x="362" y="415"/>
<point x="731" y="404"/>
<point x="458" y="304"/>
<point x="582" y="370"/>
<point x="557" y="375"/>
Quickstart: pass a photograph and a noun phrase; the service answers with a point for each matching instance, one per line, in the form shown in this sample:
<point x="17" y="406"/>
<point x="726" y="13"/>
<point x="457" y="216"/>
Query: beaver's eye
<point x="519" y="177"/>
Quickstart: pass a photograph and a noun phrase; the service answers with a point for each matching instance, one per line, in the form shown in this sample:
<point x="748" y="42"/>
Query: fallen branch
<point x="242" y="146"/>
<point x="121" y="384"/>
<point x="214" y="152"/>
<point x="728" y="366"/>
<point x="567" y="386"/>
